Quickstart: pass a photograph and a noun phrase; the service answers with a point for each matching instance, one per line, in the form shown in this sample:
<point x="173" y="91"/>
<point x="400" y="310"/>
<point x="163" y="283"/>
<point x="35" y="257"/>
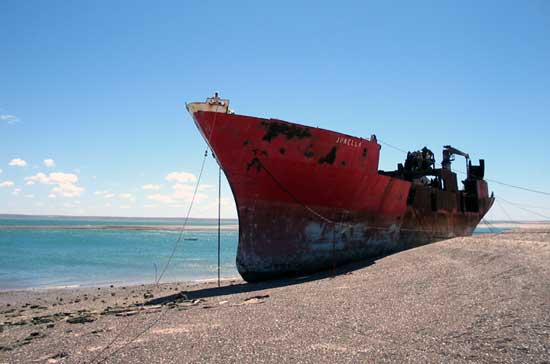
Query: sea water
<point x="51" y="255"/>
<point x="60" y="257"/>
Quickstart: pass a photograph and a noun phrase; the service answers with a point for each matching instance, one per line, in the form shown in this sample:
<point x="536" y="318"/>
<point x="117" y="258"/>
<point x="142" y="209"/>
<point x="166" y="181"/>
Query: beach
<point x="484" y="298"/>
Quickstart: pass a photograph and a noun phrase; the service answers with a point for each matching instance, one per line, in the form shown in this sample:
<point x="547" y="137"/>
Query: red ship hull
<point x="309" y="199"/>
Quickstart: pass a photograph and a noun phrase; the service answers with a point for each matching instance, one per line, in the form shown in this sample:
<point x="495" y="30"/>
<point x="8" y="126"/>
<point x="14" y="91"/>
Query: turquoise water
<point x="491" y="230"/>
<point x="57" y="257"/>
<point x="43" y="258"/>
<point x="102" y="221"/>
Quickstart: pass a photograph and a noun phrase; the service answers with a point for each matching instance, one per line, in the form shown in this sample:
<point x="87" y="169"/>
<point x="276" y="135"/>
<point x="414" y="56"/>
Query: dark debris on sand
<point x="483" y="299"/>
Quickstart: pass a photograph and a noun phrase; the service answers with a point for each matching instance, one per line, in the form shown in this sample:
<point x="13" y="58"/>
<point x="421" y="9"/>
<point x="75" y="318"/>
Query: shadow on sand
<point x="253" y="287"/>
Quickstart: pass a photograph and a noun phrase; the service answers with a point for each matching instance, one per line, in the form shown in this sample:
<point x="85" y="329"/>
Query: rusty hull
<point x="309" y="199"/>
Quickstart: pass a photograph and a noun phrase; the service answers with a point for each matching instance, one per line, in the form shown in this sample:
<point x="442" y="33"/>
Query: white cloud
<point x="49" y="163"/>
<point x="185" y="192"/>
<point x="16" y="191"/>
<point x="161" y="198"/>
<point x="205" y="187"/>
<point x="65" y="183"/>
<point x="29" y="196"/>
<point x="0" y="171"/>
<point x="224" y="201"/>
<point x="53" y="178"/>
<point x="39" y="177"/>
<point x="6" y="184"/>
<point x="188" y="196"/>
<point x="177" y="196"/>
<point x="125" y="206"/>
<point x="51" y="195"/>
<point x="105" y="194"/>
<point x="18" y="162"/>
<point x="126" y="197"/>
<point x="68" y="190"/>
<point x="181" y="192"/>
<point x="29" y="183"/>
<point x="181" y="177"/>
<point x="178" y="187"/>
<point x="182" y="187"/>
<point x="10" y="119"/>
<point x="60" y="177"/>
<point x="151" y="187"/>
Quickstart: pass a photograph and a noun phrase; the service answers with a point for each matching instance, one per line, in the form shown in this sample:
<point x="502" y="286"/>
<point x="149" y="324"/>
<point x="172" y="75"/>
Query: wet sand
<point x="479" y="299"/>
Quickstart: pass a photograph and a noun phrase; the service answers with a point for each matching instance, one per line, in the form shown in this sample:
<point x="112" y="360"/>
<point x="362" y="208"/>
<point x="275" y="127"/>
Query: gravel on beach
<point x="484" y="299"/>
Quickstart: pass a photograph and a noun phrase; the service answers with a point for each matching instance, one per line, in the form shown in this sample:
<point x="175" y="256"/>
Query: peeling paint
<point x="290" y="131"/>
<point x="257" y="152"/>
<point x="254" y="163"/>
<point x="329" y="158"/>
<point x="309" y="153"/>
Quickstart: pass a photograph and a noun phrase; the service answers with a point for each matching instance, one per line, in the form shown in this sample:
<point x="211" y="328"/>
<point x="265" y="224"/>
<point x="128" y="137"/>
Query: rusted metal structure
<point x="309" y="198"/>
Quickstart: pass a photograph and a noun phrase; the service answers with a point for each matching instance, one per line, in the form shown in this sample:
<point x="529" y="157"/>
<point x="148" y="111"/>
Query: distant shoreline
<point x="515" y="225"/>
<point x="102" y="217"/>
<point x="117" y="227"/>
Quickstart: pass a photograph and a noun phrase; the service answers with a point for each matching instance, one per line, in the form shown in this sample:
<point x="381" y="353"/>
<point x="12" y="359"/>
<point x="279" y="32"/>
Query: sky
<point x="92" y="93"/>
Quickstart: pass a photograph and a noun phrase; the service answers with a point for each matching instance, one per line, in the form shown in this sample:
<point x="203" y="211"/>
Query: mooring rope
<point x="186" y="219"/>
<point x="524" y="209"/>
<point x="219" y="218"/>
<point x="497" y="200"/>
<point x="157" y="280"/>
<point x="489" y="225"/>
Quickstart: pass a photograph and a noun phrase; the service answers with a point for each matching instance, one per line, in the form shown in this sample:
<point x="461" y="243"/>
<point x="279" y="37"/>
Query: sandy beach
<point x="479" y="299"/>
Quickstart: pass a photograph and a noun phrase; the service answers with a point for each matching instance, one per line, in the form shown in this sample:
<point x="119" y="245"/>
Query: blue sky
<point x="99" y="87"/>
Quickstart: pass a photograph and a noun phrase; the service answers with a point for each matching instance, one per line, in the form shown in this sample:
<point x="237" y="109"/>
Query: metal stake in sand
<point x="219" y="217"/>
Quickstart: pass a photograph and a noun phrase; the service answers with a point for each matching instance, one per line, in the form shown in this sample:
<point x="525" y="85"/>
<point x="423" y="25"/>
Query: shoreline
<point x="507" y="225"/>
<point x="118" y="283"/>
<point x="483" y="298"/>
<point x="60" y="284"/>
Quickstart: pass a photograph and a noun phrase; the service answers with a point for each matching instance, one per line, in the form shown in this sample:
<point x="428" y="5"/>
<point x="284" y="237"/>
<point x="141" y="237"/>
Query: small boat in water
<point x="309" y="198"/>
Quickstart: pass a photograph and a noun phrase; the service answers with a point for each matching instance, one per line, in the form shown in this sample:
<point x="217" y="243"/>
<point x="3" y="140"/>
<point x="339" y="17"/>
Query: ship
<point x="310" y="199"/>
